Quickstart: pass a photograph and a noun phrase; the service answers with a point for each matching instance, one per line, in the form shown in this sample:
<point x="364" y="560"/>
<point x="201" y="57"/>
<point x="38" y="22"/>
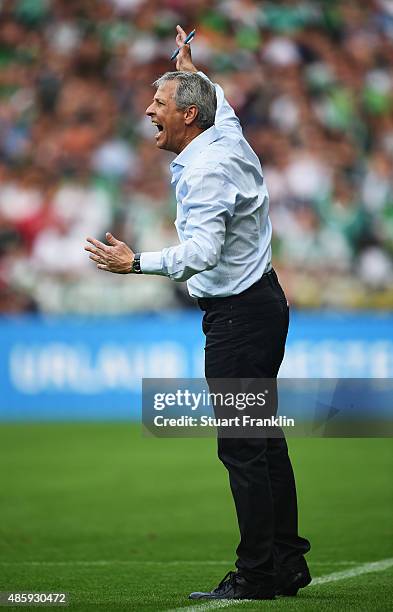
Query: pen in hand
<point x="187" y="40"/>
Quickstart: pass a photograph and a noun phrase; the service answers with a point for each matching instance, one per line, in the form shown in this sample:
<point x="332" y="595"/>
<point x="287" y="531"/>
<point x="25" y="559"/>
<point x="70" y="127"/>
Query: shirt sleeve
<point x="208" y="205"/>
<point x="225" y="115"/>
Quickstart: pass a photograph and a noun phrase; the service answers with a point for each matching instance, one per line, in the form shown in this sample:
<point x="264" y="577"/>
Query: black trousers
<point x="245" y="338"/>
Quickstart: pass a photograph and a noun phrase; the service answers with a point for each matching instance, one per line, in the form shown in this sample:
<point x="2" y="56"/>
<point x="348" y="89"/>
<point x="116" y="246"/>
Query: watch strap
<point x="136" y="264"/>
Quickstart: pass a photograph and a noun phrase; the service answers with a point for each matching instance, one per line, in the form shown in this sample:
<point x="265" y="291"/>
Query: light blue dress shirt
<point x="222" y="213"/>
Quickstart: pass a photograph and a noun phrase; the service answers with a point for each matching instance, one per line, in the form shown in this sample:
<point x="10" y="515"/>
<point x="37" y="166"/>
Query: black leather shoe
<point x="291" y="579"/>
<point x="236" y="586"/>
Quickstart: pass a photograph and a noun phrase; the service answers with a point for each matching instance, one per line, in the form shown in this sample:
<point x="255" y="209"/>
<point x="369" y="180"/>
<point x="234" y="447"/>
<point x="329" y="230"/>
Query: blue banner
<point x="90" y="368"/>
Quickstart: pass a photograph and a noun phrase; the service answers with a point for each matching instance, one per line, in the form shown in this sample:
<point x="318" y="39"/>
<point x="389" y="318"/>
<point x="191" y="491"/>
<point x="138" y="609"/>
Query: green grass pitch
<point x="125" y="522"/>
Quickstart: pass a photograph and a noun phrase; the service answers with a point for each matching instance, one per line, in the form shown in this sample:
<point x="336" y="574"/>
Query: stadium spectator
<point x="312" y="81"/>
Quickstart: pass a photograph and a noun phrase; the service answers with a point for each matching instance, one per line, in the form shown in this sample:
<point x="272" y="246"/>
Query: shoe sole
<point x="232" y="598"/>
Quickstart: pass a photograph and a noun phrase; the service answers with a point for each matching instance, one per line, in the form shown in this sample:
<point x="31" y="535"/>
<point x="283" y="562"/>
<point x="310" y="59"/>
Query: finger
<point x="181" y="31"/>
<point x="95" y="258"/>
<point x="185" y="50"/>
<point x="91" y="250"/>
<point x="103" y="267"/>
<point x="111" y="239"/>
<point x="181" y="35"/>
<point x="99" y="245"/>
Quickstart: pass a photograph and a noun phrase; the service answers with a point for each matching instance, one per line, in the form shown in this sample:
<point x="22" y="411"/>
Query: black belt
<point x="267" y="279"/>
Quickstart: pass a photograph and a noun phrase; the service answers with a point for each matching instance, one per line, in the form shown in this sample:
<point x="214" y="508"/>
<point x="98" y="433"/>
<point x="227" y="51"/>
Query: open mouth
<point x="158" y="126"/>
<point x="160" y="130"/>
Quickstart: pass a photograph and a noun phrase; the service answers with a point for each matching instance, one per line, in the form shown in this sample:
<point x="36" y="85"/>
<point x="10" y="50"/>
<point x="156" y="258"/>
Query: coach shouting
<point x="225" y="256"/>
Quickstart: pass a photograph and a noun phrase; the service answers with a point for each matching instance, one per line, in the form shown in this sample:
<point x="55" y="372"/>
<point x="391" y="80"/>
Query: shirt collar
<point x="195" y="147"/>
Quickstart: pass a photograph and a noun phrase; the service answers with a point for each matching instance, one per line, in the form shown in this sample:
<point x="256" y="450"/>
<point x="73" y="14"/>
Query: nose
<point x="149" y="112"/>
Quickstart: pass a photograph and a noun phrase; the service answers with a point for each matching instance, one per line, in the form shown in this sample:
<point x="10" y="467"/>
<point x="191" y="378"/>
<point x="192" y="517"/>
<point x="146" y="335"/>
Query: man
<point x="224" y="255"/>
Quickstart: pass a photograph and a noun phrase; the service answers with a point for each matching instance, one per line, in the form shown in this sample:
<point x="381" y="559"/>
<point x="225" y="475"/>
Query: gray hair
<point x="193" y="90"/>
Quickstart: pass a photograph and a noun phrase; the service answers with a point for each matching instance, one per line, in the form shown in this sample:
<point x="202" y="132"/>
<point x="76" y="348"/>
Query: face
<point x="171" y="122"/>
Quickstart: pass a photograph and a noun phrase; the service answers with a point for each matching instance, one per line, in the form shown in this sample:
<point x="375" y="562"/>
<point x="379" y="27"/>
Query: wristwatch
<point x="136" y="264"/>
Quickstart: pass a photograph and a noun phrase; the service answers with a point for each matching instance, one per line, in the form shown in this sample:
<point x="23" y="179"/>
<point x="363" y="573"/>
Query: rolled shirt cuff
<point x="151" y="263"/>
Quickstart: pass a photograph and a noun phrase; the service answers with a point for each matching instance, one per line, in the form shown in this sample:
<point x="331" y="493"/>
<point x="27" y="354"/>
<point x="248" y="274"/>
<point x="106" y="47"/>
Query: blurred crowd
<point x="312" y="83"/>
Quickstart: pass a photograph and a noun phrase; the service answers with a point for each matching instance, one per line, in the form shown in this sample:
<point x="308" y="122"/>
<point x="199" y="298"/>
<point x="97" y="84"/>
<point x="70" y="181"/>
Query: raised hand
<point x="114" y="257"/>
<point x="184" y="59"/>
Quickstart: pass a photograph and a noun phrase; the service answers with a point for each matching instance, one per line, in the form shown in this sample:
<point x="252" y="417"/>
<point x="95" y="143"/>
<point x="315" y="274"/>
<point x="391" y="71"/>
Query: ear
<point x="190" y="114"/>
